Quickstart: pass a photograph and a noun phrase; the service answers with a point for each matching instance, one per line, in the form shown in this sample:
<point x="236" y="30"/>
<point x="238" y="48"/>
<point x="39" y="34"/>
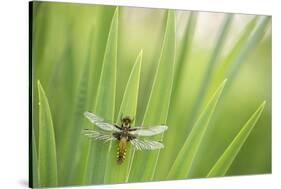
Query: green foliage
<point x="105" y="105"/>
<point x="225" y="161"/>
<point x="158" y="102"/>
<point x="114" y="172"/>
<point x="210" y="67"/>
<point x="47" y="159"/>
<point x="34" y="159"/>
<point x="185" y="46"/>
<point x="156" y="67"/>
<point x="187" y="154"/>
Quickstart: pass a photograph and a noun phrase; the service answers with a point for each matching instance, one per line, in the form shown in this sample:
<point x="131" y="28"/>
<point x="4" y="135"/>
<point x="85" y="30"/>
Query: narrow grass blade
<point x="61" y="82"/>
<point x="72" y="151"/>
<point x="211" y="65"/>
<point x="248" y="40"/>
<point x="243" y="38"/>
<point x="185" y="47"/>
<point x="98" y="38"/>
<point x="181" y="64"/>
<point x="187" y="154"/>
<point x="47" y="160"/>
<point x="229" y="68"/>
<point x="116" y="173"/>
<point x="224" y="67"/>
<point x="85" y="96"/>
<point x="104" y="106"/>
<point x="35" y="174"/>
<point x="252" y="42"/>
<point x="224" y="162"/>
<point x="158" y="104"/>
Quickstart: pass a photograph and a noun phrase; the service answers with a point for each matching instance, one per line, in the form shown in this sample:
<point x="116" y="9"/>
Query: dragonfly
<point x="124" y="134"/>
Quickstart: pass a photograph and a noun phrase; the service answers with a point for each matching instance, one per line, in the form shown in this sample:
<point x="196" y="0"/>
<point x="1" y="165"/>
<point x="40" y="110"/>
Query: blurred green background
<point x="69" y="40"/>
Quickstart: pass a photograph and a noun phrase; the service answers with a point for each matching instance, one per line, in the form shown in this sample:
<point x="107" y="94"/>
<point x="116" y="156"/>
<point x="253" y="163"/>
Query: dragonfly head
<point x="126" y="121"/>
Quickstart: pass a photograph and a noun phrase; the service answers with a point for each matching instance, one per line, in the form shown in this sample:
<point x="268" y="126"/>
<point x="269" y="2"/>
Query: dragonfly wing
<point x="99" y="122"/>
<point x="150" y="131"/>
<point x="98" y="135"/>
<point x="142" y="144"/>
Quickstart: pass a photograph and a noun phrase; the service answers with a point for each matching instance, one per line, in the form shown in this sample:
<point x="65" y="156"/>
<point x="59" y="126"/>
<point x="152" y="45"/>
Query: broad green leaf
<point x="116" y="173"/>
<point x="47" y="159"/>
<point x="224" y="162"/>
<point x="187" y="154"/>
<point x="104" y="106"/>
<point x="158" y="105"/>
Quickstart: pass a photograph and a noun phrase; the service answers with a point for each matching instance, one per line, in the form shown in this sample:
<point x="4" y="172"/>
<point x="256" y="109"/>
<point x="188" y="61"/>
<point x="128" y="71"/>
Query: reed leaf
<point x="104" y="106"/>
<point x="187" y="154"/>
<point x="47" y="158"/>
<point x="224" y="162"/>
<point x="158" y="105"/>
<point x="116" y="173"/>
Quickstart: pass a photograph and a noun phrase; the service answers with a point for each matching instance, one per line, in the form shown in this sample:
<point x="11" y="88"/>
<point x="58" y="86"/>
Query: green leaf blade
<point x="236" y="55"/>
<point x="221" y="38"/>
<point x="158" y="104"/>
<point x="116" y="173"/>
<point x="104" y="106"/>
<point x="248" y="41"/>
<point x="77" y="144"/>
<point x="35" y="173"/>
<point x="181" y="65"/>
<point x="185" y="157"/>
<point x="224" y="162"/>
<point x="185" y="49"/>
<point x="47" y="160"/>
<point x="224" y="67"/>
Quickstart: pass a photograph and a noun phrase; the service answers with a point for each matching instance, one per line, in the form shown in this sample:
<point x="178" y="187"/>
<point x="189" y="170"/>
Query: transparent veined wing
<point x="99" y="122"/>
<point x="142" y="144"/>
<point x="106" y="137"/>
<point x="150" y="131"/>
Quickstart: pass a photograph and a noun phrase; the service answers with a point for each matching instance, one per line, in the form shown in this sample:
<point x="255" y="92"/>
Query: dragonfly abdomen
<point x="121" y="153"/>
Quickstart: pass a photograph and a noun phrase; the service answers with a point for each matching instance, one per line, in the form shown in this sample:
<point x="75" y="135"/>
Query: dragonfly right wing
<point x="106" y="137"/>
<point x="99" y="122"/>
<point x="149" y="131"/>
<point x="142" y="144"/>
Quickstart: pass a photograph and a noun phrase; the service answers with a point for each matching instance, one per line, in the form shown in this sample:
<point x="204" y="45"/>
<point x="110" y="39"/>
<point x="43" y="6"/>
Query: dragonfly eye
<point x="126" y="120"/>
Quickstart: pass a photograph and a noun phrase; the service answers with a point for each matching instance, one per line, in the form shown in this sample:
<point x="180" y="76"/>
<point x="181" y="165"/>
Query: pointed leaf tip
<point x="141" y="52"/>
<point x="47" y="159"/>
<point x="222" y="165"/>
<point x="189" y="150"/>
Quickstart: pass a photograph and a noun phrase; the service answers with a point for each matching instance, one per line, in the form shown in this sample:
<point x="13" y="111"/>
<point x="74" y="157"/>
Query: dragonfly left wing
<point x="142" y="144"/>
<point x="150" y="131"/>
<point x="100" y="123"/>
<point x="106" y="137"/>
